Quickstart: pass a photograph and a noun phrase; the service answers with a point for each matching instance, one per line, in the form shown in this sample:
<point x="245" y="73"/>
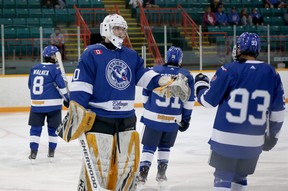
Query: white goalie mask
<point x="106" y="29"/>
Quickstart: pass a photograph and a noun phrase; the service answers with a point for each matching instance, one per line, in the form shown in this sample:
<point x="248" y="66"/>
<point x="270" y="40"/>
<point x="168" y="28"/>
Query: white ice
<point x="188" y="168"/>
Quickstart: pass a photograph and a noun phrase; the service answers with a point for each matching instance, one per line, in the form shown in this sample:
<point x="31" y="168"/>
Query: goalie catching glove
<point x="77" y="121"/>
<point x="177" y="87"/>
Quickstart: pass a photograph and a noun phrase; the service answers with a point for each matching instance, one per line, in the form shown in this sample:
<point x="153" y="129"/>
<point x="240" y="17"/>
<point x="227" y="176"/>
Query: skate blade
<point x="32" y="161"/>
<point x="51" y="159"/>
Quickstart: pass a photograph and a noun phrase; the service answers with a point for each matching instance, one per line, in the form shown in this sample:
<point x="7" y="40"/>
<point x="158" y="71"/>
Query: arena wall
<point x="14" y="96"/>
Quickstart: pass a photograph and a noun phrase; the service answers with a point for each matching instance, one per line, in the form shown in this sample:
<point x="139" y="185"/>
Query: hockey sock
<point x="239" y="183"/>
<point x="52" y="137"/>
<point x="35" y="133"/>
<point x="222" y="180"/>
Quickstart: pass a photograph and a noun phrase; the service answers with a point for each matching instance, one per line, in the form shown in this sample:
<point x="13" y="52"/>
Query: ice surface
<point x="188" y="168"/>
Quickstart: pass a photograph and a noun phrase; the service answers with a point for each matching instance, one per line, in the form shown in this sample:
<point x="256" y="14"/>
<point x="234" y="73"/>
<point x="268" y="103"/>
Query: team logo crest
<point x="118" y="74"/>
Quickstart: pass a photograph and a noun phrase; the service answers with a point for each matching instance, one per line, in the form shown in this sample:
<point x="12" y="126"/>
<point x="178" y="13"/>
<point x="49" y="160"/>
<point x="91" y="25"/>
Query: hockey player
<point x="46" y="87"/>
<point x="163" y="117"/>
<point x="104" y="84"/>
<point x="250" y="114"/>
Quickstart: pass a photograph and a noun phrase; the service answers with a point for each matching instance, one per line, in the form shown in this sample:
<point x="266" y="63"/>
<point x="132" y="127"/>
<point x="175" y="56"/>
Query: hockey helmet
<point x="174" y="56"/>
<point x="248" y="43"/>
<point x="106" y="29"/>
<point x="49" y="53"/>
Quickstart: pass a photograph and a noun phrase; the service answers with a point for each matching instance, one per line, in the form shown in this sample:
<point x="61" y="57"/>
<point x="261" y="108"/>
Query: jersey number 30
<point x="242" y="106"/>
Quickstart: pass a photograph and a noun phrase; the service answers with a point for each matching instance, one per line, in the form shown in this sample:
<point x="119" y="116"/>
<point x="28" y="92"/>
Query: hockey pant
<point x="115" y="170"/>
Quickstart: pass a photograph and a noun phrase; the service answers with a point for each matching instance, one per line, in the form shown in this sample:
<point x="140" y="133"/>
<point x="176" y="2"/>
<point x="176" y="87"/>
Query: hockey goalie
<point x="104" y="83"/>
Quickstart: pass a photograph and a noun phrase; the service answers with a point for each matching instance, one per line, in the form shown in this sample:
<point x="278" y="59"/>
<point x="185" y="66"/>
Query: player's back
<point x="244" y="92"/>
<point x="42" y="85"/>
<point x="160" y="112"/>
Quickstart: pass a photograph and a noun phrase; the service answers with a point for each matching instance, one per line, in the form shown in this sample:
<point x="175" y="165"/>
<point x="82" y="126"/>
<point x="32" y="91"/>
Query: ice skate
<point x="51" y="154"/>
<point x="32" y="156"/>
<point x="161" y="175"/>
<point x="142" y="178"/>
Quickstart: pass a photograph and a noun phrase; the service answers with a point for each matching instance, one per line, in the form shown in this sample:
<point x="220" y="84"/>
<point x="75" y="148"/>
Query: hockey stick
<point x="95" y="185"/>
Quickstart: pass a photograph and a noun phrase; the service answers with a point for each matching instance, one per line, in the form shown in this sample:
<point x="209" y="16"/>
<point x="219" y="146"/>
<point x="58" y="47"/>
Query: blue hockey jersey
<point x="160" y="113"/>
<point x="245" y="93"/>
<point x="46" y="86"/>
<point x="105" y="80"/>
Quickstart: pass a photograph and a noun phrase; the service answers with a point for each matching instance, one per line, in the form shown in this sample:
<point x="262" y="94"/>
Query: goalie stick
<point x="95" y="185"/>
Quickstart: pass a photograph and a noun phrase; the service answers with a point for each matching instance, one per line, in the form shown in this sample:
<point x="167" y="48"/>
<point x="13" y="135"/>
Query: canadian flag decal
<point x="97" y="51"/>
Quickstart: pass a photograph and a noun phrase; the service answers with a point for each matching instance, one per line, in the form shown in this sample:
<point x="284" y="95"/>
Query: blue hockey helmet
<point x="49" y="51"/>
<point x="249" y="43"/>
<point x="174" y="56"/>
<point x="49" y="54"/>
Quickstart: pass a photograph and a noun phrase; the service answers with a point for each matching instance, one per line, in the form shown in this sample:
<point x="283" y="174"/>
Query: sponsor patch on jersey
<point x="118" y="74"/>
<point x="98" y="51"/>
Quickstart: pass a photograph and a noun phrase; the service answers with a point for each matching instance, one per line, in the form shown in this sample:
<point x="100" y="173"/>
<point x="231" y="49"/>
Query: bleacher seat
<point x="61" y="16"/>
<point x="34" y="4"/>
<point x="8" y="13"/>
<point x="23" y="32"/>
<point x="22" y="13"/>
<point x="251" y="28"/>
<point x="21" y="4"/>
<point x="171" y="3"/>
<point x="257" y="3"/>
<point x="262" y="30"/>
<point x="266" y="12"/>
<point x="236" y="3"/>
<point x="48" y="13"/>
<point x="47" y="32"/>
<point x="71" y="16"/>
<point x="9" y="4"/>
<point x="97" y="4"/>
<point x="34" y="32"/>
<point x="10" y="33"/>
<point x="161" y="3"/>
<point x="32" y="22"/>
<point x="227" y="29"/>
<point x="46" y="22"/>
<point x="279" y="11"/>
<point x="194" y="3"/>
<point x="277" y="20"/>
<point x="70" y="3"/>
<point x="248" y="3"/>
<point x="205" y="3"/>
<point x="84" y="4"/>
<point x="6" y="21"/>
<point x="19" y="22"/>
<point x="183" y="3"/>
<point x="35" y="13"/>
<point x="275" y="30"/>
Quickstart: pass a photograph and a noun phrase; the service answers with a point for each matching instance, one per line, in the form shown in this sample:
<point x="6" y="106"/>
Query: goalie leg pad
<point x="100" y="147"/>
<point x="128" y="160"/>
<point x="115" y="171"/>
<point x="77" y="121"/>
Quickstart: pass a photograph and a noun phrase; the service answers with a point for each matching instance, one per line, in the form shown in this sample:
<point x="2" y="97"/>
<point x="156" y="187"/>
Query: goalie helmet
<point x="248" y="43"/>
<point x="106" y="29"/>
<point x="49" y="53"/>
<point x="174" y="56"/>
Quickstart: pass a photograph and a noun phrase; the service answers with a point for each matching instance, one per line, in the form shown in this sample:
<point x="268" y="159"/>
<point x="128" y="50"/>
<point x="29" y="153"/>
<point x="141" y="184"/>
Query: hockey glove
<point x="201" y="82"/>
<point x="183" y="125"/>
<point x="269" y="143"/>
